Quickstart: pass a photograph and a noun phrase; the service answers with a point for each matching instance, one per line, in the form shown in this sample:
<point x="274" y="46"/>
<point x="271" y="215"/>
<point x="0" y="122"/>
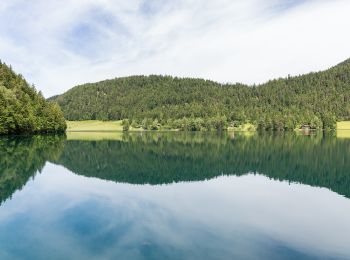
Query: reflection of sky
<point x="62" y="215"/>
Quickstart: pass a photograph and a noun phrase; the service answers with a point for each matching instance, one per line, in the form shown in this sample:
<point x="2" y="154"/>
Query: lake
<point x="175" y="196"/>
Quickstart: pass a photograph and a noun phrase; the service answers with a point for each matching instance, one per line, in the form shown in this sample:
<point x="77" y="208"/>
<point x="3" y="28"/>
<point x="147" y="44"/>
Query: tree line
<point x="316" y="100"/>
<point x="23" y="109"/>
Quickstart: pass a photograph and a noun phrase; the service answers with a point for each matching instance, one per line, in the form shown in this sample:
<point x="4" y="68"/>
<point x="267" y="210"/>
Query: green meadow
<point x="343" y="125"/>
<point x="94" y="125"/>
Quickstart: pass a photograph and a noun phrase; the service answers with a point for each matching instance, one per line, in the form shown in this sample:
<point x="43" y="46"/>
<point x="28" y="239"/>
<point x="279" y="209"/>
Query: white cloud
<point x="58" y="44"/>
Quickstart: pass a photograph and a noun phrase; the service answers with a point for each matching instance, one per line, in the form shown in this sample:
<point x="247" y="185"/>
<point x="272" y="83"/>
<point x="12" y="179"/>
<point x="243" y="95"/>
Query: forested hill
<point x="316" y="99"/>
<point x="23" y="109"/>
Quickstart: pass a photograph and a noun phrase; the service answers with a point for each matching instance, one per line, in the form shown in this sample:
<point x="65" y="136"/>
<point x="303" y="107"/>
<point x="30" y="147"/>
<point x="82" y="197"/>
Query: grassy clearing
<point x="97" y="126"/>
<point x="343" y="125"/>
<point x="343" y="129"/>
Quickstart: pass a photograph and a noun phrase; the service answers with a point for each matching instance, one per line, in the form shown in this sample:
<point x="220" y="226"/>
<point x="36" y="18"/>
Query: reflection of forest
<point x="160" y="158"/>
<point x="22" y="157"/>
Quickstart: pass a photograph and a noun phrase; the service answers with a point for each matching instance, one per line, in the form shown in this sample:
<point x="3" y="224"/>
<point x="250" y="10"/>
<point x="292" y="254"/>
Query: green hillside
<point x="23" y="109"/>
<point x="316" y="99"/>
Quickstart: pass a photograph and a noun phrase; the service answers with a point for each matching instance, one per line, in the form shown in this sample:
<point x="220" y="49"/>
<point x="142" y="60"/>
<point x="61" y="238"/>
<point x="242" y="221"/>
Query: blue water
<point x="172" y="197"/>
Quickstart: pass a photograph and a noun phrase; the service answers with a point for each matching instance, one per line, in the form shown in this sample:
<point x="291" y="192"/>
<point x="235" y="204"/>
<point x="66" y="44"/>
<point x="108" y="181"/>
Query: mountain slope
<point x="316" y="99"/>
<point x="23" y="110"/>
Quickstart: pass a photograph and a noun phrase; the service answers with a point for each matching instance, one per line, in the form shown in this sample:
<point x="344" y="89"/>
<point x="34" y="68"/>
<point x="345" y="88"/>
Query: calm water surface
<point x="175" y="196"/>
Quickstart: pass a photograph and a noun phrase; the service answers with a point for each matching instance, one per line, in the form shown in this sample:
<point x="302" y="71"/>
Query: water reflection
<point x="22" y="157"/>
<point x="226" y="197"/>
<point x="62" y="215"/>
<point x="161" y="158"/>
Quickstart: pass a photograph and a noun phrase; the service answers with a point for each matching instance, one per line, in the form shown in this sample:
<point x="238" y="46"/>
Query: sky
<point x="56" y="45"/>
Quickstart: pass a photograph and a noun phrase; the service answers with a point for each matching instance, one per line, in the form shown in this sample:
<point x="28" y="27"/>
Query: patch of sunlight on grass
<point x="343" y="129"/>
<point x="343" y="125"/>
<point x="94" y="125"/>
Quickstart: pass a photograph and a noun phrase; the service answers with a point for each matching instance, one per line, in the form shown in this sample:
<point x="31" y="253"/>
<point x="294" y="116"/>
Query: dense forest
<point x="23" y="109"/>
<point x="317" y="100"/>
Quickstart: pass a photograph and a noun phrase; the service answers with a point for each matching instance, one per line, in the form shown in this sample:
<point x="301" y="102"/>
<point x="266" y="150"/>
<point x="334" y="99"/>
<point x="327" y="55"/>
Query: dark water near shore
<point x="175" y="196"/>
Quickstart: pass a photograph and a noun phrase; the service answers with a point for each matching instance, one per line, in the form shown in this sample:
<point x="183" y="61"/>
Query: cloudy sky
<point x="57" y="44"/>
